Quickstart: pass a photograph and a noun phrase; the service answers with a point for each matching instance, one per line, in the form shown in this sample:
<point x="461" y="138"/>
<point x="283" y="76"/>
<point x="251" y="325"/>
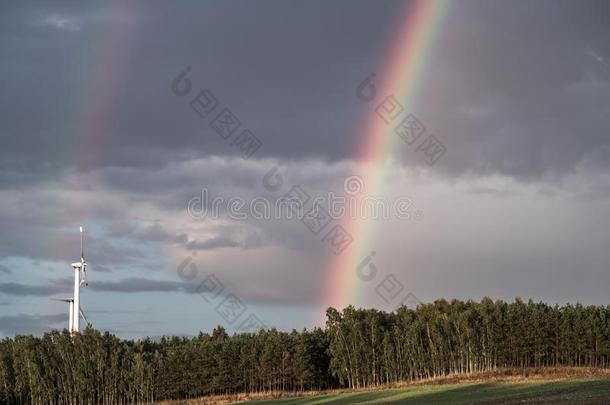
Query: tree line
<point x="370" y="347"/>
<point x="357" y="348"/>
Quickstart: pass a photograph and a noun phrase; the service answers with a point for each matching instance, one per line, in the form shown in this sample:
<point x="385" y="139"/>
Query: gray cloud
<point x="154" y="233"/>
<point x="30" y="324"/>
<point x="131" y="284"/>
<point x="102" y="269"/>
<point x="62" y="23"/>
<point x="55" y="287"/>
<point x="136" y="284"/>
<point x="4" y="269"/>
<point x="213" y="243"/>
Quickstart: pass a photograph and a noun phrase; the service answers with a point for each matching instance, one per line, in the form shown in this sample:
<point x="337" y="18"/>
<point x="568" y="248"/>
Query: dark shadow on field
<point x="350" y="398"/>
<point x="571" y="391"/>
<point x="553" y="392"/>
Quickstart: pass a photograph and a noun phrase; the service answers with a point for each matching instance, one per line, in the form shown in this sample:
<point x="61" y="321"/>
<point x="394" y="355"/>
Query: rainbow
<point x="401" y="78"/>
<point x="106" y="70"/>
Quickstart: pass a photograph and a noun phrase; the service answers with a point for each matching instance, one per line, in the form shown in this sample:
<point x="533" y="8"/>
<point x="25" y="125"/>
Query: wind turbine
<point x="70" y="301"/>
<point x="80" y="269"/>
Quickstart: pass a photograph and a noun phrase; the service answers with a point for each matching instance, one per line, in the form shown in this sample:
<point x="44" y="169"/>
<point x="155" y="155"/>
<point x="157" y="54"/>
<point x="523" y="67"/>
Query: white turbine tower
<point x="79" y="278"/>
<point x="80" y="269"/>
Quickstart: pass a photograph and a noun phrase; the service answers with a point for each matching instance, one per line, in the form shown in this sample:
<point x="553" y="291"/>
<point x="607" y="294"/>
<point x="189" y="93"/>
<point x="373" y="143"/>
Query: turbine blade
<point x="61" y="299"/>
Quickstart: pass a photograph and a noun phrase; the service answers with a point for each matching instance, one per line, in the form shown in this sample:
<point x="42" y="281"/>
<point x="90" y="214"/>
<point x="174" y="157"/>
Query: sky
<point x="99" y="129"/>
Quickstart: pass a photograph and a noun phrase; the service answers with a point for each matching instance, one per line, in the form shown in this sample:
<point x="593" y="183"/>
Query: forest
<point x="357" y="348"/>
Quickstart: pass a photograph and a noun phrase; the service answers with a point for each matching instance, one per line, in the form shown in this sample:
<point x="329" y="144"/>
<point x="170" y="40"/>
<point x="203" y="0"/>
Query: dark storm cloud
<point x="513" y="91"/>
<point x="287" y="53"/>
<point x="510" y="88"/>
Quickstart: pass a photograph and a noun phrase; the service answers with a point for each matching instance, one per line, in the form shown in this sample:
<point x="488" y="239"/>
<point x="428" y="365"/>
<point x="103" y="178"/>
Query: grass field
<point x="569" y="391"/>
